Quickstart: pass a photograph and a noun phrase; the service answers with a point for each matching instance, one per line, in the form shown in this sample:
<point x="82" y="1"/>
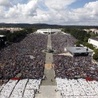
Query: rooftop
<point x="2" y="35"/>
<point x="78" y="49"/>
<point x="49" y="30"/>
<point x="95" y="38"/>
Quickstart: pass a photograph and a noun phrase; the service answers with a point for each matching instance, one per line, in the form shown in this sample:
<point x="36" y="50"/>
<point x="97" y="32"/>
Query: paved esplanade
<point x="49" y="56"/>
<point x="49" y="71"/>
<point x="48" y="87"/>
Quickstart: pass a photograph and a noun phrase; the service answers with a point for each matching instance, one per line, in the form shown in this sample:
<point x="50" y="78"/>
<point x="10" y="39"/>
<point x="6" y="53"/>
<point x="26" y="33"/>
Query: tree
<point x="88" y="45"/>
<point x="78" y="43"/>
<point x="95" y="56"/>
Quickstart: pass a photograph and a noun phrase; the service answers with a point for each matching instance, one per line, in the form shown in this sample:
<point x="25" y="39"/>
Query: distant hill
<point x="39" y="26"/>
<point x="29" y="25"/>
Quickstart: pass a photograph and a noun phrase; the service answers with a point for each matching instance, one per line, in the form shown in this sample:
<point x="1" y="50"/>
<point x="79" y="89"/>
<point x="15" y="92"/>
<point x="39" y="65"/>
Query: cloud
<point x="58" y="4"/>
<point x="86" y="14"/>
<point x="47" y="11"/>
<point x="2" y="11"/>
<point x="21" y="10"/>
<point x="5" y="3"/>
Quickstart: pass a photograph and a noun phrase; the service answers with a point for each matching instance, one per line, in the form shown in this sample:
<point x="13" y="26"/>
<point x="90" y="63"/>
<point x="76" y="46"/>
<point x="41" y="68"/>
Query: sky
<point x="61" y="12"/>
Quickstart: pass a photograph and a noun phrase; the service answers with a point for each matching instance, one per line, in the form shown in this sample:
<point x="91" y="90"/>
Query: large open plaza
<point x="48" y="48"/>
<point x="39" y="67"/>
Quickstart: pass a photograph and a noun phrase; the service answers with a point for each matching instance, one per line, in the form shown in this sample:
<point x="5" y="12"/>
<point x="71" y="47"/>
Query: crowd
<point x="80" y="88"/>
<point x="71" y="67"/>
<point x="25" y="88"/>
<point x="60" y="41"/>
<point x="24" y="59"/>
<point x="75" y="67"/>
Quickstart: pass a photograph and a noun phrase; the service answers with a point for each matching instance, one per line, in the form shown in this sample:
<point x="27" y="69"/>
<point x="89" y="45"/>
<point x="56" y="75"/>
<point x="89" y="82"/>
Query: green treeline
<point x="79" y="34"/>
<point x="16" y="36"/>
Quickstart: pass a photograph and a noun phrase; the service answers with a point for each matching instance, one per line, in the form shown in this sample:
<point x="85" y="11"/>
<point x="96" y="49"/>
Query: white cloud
<point x="88" y="13"/>
<point x="58" y="4"/>
<point x="2" y="11"/>
<point x="5" y="3"/>
<point x="21" y="10"/>
<point x="47" y="11"/>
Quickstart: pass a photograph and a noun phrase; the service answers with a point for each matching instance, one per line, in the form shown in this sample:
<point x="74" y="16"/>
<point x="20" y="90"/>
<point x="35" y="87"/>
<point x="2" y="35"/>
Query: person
<point x="51" y="80"/>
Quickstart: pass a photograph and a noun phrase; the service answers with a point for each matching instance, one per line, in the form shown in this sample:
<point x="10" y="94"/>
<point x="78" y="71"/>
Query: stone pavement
<point x="48" y="92"/>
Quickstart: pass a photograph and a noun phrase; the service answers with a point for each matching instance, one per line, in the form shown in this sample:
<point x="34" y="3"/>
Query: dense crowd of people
<point x="24" y="59"/>
<point x="71" y="67"/>
<point x="60" y="41"/>
<point x="75" y="67"/>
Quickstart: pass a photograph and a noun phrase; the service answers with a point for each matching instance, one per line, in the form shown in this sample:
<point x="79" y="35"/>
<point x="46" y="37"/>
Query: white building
<point x="2" y="36"/>
<point x="43" y="31"/>
<point x="12" y="29"/>
<point x="79" y="51"/>
<point x="92" y="30"/>
<point x="93" y="41"/>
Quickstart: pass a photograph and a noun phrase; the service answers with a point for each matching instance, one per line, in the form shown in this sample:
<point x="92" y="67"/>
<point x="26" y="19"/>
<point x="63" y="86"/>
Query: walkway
<point x="49" y="56"/>
<point x="49" y="71"/>
<point x="48" y="86"/>
<point x="48" y="92"/>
